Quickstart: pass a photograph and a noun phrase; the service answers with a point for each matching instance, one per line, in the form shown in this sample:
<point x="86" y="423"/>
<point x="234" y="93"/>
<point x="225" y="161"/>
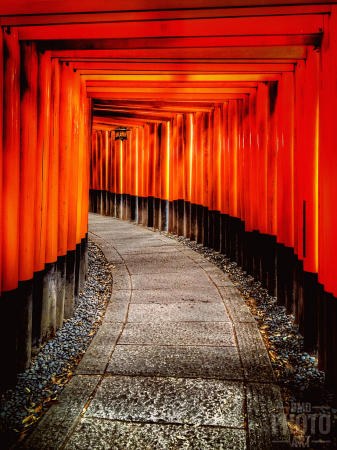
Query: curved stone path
<point x="178" y="362"/>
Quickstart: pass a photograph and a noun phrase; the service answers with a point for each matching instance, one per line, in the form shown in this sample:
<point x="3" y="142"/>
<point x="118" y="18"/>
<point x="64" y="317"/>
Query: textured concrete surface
<point x="187" y="361"/>
<point x="169" y="400"/>
<point x="178" y="362"/>
<point x="178" y="312"/>
<point x="113" y="435"/>
<point x="219" y="334"/>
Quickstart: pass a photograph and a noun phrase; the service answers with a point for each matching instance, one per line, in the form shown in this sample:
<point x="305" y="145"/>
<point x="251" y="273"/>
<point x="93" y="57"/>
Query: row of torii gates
<point x="232" y="142"/>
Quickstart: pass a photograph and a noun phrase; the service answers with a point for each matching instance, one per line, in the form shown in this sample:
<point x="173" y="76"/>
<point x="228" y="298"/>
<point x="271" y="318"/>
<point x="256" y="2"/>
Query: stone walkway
<point x="178" y="362"/>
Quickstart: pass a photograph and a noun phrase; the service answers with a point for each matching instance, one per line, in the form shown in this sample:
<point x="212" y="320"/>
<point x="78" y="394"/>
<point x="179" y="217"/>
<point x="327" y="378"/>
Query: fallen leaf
<point x="27" y="418"/>
<point x="52" y="402"/>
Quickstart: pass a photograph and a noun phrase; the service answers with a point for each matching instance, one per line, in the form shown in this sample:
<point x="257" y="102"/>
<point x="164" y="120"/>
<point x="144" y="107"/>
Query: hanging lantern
<point x="121" y="133"/>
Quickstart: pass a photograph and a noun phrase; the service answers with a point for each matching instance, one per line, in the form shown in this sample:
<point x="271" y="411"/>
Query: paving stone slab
<point x="175" y="295"/>
<point x="255" y="359"/>
<point x="267" y="424"/>
<point x="178" y="312"/>
<point x="236" y="305"/>
<point x="116" y="311"/>
<point x="161" y="265"/>
<point x="112" y="435"/>
<point x="179" y="333"/>
<point x="139" y="241"/>
<point x="121" y="295"/>
<point x="170" y="400"/>
<point x="61" y="418"/>
<point x="205" y="362"/>
<point x="146" y="249"/>
<point x="193" y="278"/>
<point x="121" y="281"/>
<point x="219" y="278"/>
<point x="206" y="265"/>
<point x="168" y="254"/>
<point x="97" y="355"/>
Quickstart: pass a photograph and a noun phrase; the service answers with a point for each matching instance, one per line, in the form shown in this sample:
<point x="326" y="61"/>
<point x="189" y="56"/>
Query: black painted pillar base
<point x="118" y="198"/>
<point x="37" y="311"/>
<point x="249" y="251"/>
<point x="187" y="215"/>
<point x="133" y="208"/>
<point x="201" y="237"/>
<point x="92" y="201"/>
<point x="281" y="278"/>
<point x="145" y="214"/>
<point x="237" y="222"/>
<point x="194" y="222"/>
<point x="256" y="255"/>
<point x="61" y="289"/>
<point x="171" y="217"/>
<point x="139" y="209"/>
<point x="8" y="319"/>
<point x="128" y="207"/>
<point x="216" y="230"/>
<point x="203" y="225"/>
<point x="309" y="328"/>
<point x="124" y="213"/>
<point x="70" y="284"/>
<point x="223" y="223"/>
<point x="82" y="265"/>
<point x="107" y="203"/>
<point x="329" y="340"/>
<point x="271" y="265"/>
<point x="181" y="227"/>
<point x="49" y="300"/>
<point x="164" y="209"/>
<point x="112" y="209"/>
<point x="156" y="213"/>
<point x="150" y="211"/>
<point x="99" y="201"/>
<point x="234" y="239"/>
<point x="77" y="273"/>
<point x="175" y="217"/>
<point x="264" y="239"/>
<point x="289" y="275"/>
<point x="211" y="229"/>
<point x="24" y="325"/>
<point x="242" y="233"/>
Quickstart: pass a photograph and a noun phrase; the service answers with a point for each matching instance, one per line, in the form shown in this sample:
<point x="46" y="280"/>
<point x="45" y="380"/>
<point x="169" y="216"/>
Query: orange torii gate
<point x="231" y="143"/>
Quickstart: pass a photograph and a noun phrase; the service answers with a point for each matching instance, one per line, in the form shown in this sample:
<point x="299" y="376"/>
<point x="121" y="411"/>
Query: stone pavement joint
<point x="177" y="363"/>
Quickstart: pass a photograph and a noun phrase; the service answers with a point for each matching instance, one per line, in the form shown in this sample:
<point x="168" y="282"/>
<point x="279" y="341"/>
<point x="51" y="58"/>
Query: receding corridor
<point x="178" y="358"/>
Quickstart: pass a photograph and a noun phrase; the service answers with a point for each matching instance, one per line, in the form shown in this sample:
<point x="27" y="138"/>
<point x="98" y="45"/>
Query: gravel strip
<point x="38" y="387"/>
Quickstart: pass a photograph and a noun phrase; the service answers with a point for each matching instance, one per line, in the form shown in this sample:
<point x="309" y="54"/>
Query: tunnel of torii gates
<point x="232" y="142"/>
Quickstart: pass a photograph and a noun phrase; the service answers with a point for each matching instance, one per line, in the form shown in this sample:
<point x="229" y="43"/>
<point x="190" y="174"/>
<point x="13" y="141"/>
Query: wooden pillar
<point x="145" y="186"/>
<point x="271" y="242"/>
<point x="224" y="174"/>
<point x="164" y="176"/>
<point x="262" y="127"/>
<point x="11" y="158"/>
<point x="113" y="150"/>
<point x="193" y="179"/>
<point x="245" y="201"/>
<point x="188" y="174"/>
<point x="134" y="174"/>
<point x="65" y="140"/>
<point x="204" y="152"/>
